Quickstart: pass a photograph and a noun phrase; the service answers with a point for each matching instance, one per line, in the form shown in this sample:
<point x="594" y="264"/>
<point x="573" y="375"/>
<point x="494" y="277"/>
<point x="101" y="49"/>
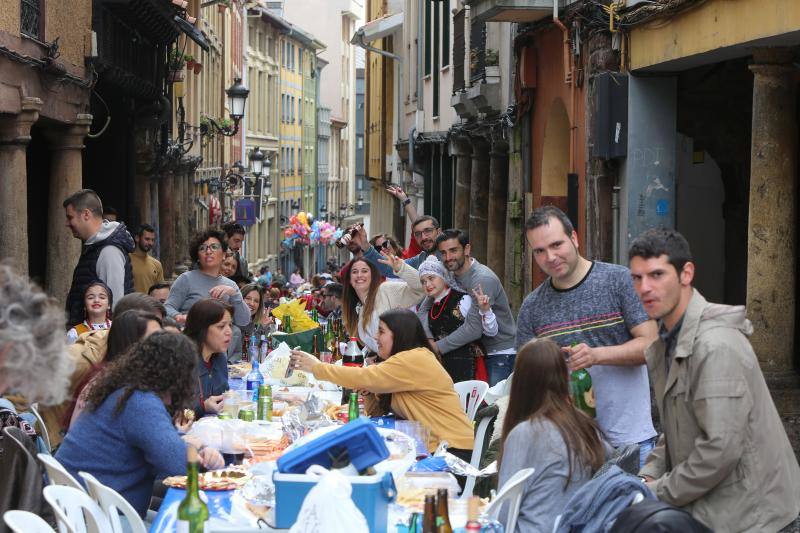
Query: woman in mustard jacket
<point x="409" y="380"/>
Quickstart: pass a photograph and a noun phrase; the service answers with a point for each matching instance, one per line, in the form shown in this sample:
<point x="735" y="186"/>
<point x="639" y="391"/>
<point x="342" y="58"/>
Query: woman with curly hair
<point x="126" y="438"/>
<point x="209" y="326"/>
<point x="207" y="250"/>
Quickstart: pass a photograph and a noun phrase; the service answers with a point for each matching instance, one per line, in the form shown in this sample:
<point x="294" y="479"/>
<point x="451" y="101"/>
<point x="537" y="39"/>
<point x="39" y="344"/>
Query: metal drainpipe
<point x="615" y="223"/>
<point x="420" y="54"/>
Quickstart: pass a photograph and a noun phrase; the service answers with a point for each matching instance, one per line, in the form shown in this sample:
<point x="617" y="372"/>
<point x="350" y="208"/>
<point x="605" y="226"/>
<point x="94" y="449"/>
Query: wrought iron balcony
<point x="513" y="10"/>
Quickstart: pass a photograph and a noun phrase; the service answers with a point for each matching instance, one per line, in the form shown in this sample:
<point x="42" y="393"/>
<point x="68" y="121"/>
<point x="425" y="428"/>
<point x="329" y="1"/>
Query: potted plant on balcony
<point x="175" y="62"/>
<point x="189" y="58"/>
<point x="492" y="68"/>
<point x="223" y="5"/>
<point x="198" y="67"/>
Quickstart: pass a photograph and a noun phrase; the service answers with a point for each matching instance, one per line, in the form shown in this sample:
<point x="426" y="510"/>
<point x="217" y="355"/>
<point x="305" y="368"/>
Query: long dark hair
<point x="202" y="315"/>
<point x="540" y="389"/>
<point x="350" y="298"/>
<point x="126" y="330"/>
<point x="406" y="329"/>
<point x="408" y="334"/>
<point x="164" y="363"/>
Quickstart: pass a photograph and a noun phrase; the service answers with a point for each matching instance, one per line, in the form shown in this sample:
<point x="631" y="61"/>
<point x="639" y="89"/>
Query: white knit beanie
<point x="432" y="265"/>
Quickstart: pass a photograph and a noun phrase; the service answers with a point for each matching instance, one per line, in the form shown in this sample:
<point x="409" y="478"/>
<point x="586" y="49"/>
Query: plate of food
<point x="226" y="479"/>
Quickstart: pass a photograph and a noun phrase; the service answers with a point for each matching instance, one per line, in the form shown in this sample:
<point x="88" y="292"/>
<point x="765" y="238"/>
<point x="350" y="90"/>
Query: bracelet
<point x="406" y="201"/>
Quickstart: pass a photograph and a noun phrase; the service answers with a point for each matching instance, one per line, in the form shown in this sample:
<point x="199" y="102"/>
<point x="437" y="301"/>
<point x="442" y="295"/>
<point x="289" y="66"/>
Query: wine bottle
<point x="192" y="511"/>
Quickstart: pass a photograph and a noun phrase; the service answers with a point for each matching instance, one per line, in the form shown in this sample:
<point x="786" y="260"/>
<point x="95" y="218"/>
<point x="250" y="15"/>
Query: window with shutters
<point x="445" y="33"/>
<point x="31" y="18"/>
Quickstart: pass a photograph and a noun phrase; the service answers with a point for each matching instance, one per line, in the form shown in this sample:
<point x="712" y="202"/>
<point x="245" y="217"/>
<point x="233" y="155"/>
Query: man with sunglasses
<point x="332" y="300"/>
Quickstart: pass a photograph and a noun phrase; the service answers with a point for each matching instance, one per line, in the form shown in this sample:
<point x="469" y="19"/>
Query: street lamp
<point x="257" y="158"/>
<point x="237" y="97"/>
<point x="342" y="210"/>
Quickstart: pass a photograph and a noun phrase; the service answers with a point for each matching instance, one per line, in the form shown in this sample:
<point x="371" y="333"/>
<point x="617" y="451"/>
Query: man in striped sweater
<point x="591" y="309"/>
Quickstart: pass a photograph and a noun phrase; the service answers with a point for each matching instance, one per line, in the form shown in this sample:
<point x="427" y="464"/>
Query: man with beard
<point x="106" y="246"/>
<point x="147" y="270"/>
<point x="454" y="249"/>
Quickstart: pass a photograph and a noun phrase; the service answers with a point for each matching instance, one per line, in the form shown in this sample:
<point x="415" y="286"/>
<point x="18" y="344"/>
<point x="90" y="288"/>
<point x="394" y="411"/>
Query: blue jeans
<point x="499" y="366"/>
<point x="645" y="447"/>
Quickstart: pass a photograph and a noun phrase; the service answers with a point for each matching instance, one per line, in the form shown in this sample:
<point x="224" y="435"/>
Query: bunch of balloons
<point x="303" y="229"/>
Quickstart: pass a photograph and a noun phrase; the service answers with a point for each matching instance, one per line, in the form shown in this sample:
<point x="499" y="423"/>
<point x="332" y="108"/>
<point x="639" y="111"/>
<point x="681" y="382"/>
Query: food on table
<point x="262" y="449"/>
<point x="226" y="479"/>
<point x="238" y="370"/>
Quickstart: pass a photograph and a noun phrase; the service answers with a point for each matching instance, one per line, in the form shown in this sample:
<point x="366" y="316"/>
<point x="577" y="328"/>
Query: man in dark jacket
<point x="106" y="246"/>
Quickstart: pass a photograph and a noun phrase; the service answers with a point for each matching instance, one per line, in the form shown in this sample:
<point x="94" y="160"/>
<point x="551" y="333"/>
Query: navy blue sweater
<point x="128" y="450"/>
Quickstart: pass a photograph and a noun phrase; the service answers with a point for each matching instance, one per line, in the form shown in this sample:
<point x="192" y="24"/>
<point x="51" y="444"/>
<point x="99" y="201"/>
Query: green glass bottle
<point x="192" y="512"/>
<point x="352" y="408"/>
<point x="581" y="390"/>
<point x="287" y="324"/>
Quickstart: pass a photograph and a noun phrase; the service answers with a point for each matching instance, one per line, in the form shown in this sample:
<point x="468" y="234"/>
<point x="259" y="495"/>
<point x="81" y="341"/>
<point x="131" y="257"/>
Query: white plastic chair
<point x="112" y="503"/>
<point x="56" y="472"/>
<point x="34" y="408"/>
<point x="26" y="522"/>
<point x="477" y="453"/>
<point x="471" y="394"/>
<point x="75" y="511"/>
<point x="510" y="493"/>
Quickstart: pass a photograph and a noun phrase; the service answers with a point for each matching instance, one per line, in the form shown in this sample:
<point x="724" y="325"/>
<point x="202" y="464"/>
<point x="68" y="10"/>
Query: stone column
<point x="66" y="177"/>
<point x="15" y="134"/>
<point x="772" y="233"/>
<point x="166" y="219"/>
<point x="462" y="150"/>
<point x="479" y="198"/>
<point x="179" y="212"/>
<point x="498" y="204"/>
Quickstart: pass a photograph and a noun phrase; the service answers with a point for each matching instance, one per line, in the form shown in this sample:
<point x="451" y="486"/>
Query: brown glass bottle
<point x="442" y="513"/>
<point x="429" y="516"/>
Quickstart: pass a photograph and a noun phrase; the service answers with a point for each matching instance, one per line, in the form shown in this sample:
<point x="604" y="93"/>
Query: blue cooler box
<point x="362" y="441"/>
<point x="371" y="494"/>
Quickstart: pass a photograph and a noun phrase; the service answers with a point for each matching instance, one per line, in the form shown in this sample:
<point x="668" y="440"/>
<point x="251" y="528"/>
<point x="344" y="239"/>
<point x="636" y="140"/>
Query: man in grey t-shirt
<point x="591" y="310"/>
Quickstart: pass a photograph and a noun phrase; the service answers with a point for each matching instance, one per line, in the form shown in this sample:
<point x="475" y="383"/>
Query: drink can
<point x="264" y="403"/>
<point x="248" y="415"/>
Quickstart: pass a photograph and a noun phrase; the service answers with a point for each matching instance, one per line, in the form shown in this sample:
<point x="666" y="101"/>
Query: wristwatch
<point x="406" y="201"/>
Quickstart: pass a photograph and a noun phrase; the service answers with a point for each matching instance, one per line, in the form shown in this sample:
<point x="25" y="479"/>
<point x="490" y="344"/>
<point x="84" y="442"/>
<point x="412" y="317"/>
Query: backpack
<point x="653" y="516"/>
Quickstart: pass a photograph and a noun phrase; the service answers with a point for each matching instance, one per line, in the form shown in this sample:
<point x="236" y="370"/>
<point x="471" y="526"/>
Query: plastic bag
<point x="328" y="507"/>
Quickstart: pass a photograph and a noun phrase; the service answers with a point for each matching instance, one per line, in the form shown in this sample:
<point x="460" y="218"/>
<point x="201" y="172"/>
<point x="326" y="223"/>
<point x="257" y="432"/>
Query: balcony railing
<point x="459" y="45"/>
<point x="477" y="51"/>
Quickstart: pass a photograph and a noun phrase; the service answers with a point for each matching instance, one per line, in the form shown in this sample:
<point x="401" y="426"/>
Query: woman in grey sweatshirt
<point x="207" y="249"/>
<point x="542" y="430"/>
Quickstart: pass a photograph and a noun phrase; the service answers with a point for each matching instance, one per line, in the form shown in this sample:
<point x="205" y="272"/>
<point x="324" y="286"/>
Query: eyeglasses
<point x="427" y="232"/>
<point x="385" y="245"/>
<point x="214" y="247"/>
